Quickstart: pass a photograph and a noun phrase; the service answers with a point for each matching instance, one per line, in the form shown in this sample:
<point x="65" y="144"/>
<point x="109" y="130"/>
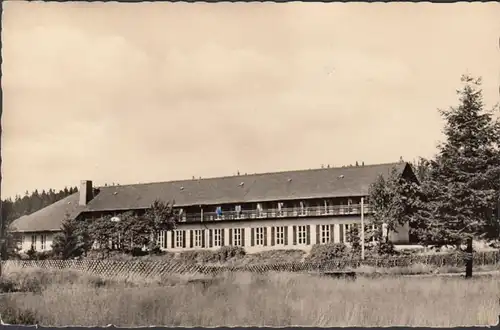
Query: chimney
<point x="86" y="192"/>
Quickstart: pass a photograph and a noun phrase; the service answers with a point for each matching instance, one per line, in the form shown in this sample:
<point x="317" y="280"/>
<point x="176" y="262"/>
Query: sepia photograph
<point x="250" y="164"/>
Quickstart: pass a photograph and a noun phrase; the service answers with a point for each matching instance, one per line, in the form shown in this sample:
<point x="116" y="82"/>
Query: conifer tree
<point x="461" y="190"/>
<point x="73" y="240"/>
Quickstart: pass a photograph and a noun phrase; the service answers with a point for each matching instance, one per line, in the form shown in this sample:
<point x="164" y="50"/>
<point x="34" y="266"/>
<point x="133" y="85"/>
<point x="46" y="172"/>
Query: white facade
<point x="41" y="241"/>
<point x="267" y="234"/>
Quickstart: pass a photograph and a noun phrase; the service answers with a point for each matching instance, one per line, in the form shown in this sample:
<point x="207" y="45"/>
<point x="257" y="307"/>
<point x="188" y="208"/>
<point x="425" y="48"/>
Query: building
<point x="282" y="210"/>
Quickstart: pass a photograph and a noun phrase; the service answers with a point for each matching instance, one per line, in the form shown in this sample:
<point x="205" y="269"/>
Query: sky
<point x="142" y="92"/>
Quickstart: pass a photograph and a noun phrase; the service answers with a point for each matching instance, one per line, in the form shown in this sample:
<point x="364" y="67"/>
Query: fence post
<point x="468" y="259"/>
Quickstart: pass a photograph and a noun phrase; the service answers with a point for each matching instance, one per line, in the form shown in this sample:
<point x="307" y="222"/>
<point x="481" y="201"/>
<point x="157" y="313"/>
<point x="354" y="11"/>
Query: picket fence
<point x="157" y="269"/>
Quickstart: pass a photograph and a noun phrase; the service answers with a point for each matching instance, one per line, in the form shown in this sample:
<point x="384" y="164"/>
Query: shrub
<point x="138" y="252"/>
<point x="197" y="256"/>
<point x="11" y="314"/>
<point x="385" y="248"/>
<point x="31" y="253"/>
<point x="275" y="256"/>
<point x="44" y="255"/>
<point x="227" y="253"/>
<point x="7" y="285"/>
<point x="321" y="253"/>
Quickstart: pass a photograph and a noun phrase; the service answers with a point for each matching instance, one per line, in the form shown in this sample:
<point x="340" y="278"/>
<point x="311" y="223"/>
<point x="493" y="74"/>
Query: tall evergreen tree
<point x="72" y="241"/>
<point x="462" y="186"/>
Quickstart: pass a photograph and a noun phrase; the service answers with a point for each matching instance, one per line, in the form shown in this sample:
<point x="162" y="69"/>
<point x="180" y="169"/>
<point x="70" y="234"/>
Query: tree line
<point x="32" y="202"/>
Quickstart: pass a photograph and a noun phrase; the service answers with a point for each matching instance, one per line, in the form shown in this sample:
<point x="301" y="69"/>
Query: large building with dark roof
<point x="293" y="209"/>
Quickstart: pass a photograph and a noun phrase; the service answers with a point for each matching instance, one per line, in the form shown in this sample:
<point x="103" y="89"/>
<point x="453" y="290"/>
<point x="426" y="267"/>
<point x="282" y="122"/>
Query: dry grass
<point x="71" y="298"/>
<point x="422" y="269"/>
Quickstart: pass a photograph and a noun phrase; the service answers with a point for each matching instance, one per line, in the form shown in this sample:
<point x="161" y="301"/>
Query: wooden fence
<point x="157" y="269"/>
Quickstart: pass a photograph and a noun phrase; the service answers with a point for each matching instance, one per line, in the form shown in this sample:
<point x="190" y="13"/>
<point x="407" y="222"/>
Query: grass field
<point x="70" y="298"/>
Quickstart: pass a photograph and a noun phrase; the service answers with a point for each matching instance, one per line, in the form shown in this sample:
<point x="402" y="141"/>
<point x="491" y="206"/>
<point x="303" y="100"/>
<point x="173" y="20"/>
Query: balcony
<point x="315" y="211"/>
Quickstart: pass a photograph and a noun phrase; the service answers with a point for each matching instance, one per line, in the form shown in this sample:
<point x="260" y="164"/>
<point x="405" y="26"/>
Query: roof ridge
<point x="252" y="175"/>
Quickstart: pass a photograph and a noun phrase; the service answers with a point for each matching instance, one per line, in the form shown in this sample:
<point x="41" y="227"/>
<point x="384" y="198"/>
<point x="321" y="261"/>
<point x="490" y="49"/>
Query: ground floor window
<point x="217" y="237"/>
<point x="259" y="236"/>
<point x="179" y="238"/>
<point x="43" y="241"/>
<point x="161" y="241"/>
<point x="33" y="242"/>
<point x="197" y="240"/>
<point x="302" y="234"/>
<point x="280" y="235"/>
<point x="237" y="237"/>
<point x="347" y="228"/>
<point x="325" y="234"/>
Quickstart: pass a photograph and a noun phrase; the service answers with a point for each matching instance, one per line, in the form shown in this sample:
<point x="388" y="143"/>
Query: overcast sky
<point x="146" y="92"/>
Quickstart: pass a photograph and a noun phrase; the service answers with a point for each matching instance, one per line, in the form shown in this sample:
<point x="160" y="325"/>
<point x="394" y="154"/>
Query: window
<point x="280" y="235"/>
<point x="43" y="239"/>
<point x="237" y="237"/>
<point x="161" y="241"/>
<point x="197" y="238"/>
<point x="33" y="242"/>
<point x="179" y="238"/>
<point x="259" y="236"/>
<point x="347" y="228"/>
<point x="301" y="234"/>
<point x="217" y="237"/>
<point x="325" y="234"/>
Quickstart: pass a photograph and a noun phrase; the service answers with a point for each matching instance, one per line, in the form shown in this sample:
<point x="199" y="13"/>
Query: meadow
<point x="68" y="297"/>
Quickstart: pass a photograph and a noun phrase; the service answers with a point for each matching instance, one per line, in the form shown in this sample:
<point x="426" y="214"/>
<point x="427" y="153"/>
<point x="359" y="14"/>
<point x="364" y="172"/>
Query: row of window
<point x="300" y="235"/>
<point x="34" y="240"/>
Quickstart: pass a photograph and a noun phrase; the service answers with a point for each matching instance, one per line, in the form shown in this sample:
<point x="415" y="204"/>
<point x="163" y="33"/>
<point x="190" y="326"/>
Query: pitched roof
<point x="278" y="186"/>
<point x="50" y="217"/>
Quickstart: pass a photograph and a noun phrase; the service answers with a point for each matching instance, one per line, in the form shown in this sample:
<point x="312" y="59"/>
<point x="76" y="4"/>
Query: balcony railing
<point x="353" y="209"/>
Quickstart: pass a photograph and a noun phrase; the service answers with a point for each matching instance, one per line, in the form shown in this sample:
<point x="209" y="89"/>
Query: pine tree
<point x="461" y="190"/>
<point x="72" y="241"/>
